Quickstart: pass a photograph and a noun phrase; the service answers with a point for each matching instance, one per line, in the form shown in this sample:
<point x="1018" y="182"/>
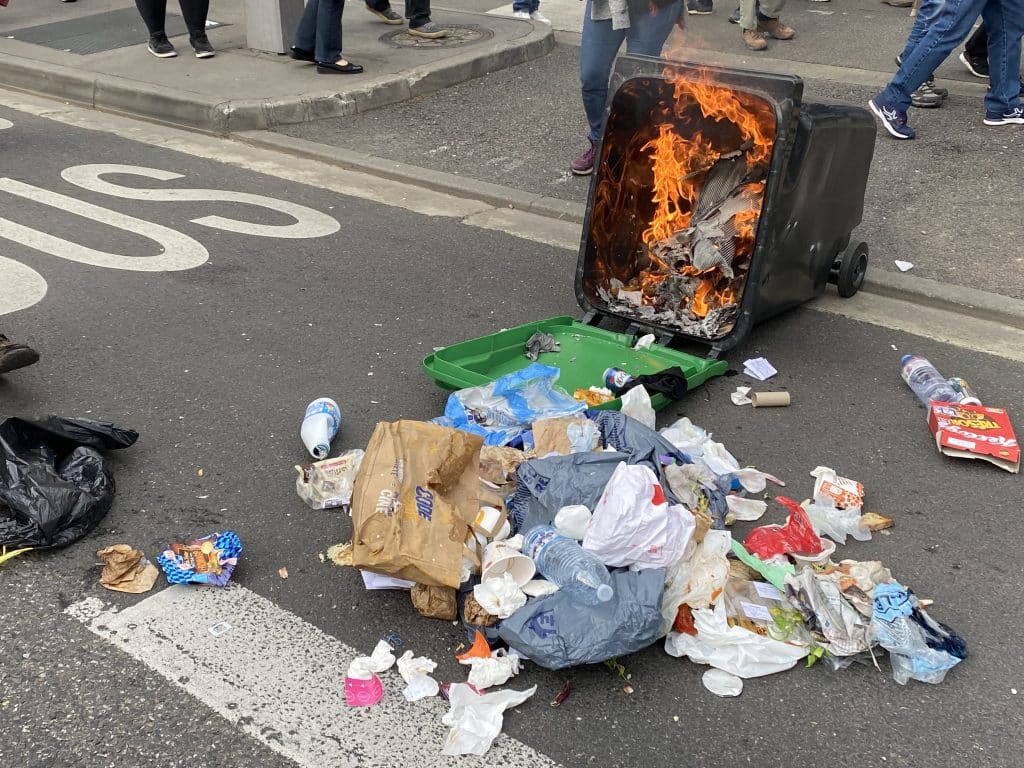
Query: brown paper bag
<point x="434" y="602"/>
<point x="551" y="435"/>
<point x="414" y="500"/>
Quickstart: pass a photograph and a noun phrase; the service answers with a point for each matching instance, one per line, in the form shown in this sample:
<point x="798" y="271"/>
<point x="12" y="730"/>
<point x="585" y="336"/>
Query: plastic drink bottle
<point x="319" y="426"/>
<point x="565" y="563"/>
<point x="928" y="384"/>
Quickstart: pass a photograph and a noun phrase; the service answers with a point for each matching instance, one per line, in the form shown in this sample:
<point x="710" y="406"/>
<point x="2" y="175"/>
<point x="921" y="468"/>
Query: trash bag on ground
<point x="55" y="485"/>
<point x="797" y="536"/>
<point x="504" y="409"/>
<point x="556" y="631"/>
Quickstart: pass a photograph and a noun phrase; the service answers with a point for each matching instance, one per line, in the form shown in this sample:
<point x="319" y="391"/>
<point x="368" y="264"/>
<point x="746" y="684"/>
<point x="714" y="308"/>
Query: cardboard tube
<point x="769" y="399"/>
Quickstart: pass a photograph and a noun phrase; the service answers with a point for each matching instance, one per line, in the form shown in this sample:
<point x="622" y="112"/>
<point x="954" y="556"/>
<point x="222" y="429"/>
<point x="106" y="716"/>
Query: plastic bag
<point x="328" y="484"/>
<point x="633" y="524"/>
<point x="636" y="404"/>
<point x="572" y="521"/>
<point x="733" y="649"/>
<point x="476" y="719"/>
<point x="698" y="578"/>
<point x="919" y="647"/>
<point x="504" y="409"/>
<point x="556" y="631"/>
<point x="837" y="524"/>
<point x="797" y="536"/>
<point x="831" y="619"/>
<point x="54" y="484"/>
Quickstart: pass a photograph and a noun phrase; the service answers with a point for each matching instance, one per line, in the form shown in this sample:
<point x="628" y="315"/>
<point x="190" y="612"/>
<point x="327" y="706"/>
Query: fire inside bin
<point x="676" y="208"/>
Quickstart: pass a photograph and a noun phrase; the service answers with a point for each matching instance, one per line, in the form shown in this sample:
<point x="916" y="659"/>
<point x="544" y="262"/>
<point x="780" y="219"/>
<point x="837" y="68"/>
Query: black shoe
<point x="428" y="30"/>
<point x="334" y="68"/>
<point x="977" y="67"/>
<point x="699" y="7"/>
<point x="161" y="47"/>
<point x="14" y="356"/>
<point x="925" y="97"/>
<point x="301" y="54"/>
<point x="734" y="17"/>
<point x="388" y="15"/>
<point x="201" y="45"/>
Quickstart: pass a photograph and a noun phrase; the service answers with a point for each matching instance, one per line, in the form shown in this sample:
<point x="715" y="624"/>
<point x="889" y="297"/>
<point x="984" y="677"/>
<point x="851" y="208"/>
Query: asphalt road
<point x="942" y="202"/>
<point x="214" y="365"/>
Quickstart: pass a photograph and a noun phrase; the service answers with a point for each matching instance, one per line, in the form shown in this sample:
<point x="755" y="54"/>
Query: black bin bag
<point x="55" y="485"/>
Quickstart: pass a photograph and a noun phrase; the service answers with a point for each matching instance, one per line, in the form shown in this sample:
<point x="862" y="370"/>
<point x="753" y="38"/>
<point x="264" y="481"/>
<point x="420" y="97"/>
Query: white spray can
<point x="319" y="426"/>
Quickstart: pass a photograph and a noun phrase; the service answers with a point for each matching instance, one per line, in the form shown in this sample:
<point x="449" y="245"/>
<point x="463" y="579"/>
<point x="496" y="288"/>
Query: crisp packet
<point x="209" y="560"/>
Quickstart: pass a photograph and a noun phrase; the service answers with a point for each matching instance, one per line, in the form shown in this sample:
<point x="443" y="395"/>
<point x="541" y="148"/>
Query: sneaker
<point x="1014" y="116"/>
<point x="584" y="164"/>
<point x="754" y="39"/>
<point x="775" y="28"/>
<point x="524" y="15"/>
<point x="161" y="47"/>
<point x="926" y="97"/>
<point x="201" y="45"/>
<point x="14" y="356"/>
<point x="388" y="15"/>
<point x="943" y="92"/>
<point x="734" y="17"/>
<point x="699" y="7"/>
<point x="430" y="30"/>
<point x="899" y="3"/>
<point x="977" y="67"/>
<point x="540" y="18"/>
<point x="895" y="122"/>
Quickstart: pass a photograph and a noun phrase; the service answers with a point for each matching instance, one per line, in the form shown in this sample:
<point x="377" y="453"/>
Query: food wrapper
<point x="831" y="490"/>
<point x="975" y="432"/>
<point x="209" y="560"/>
<point x="328" y="484"/>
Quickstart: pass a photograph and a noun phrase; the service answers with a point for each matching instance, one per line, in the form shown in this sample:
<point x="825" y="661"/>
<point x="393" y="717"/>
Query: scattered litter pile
<point x="569" y="537"/>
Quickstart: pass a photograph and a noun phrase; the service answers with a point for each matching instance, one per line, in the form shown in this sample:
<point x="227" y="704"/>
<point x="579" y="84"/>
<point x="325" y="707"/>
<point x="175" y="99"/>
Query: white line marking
<point x="5" y="124"/>
<point x="281" y="680"/>
<point x="20" y="286"/>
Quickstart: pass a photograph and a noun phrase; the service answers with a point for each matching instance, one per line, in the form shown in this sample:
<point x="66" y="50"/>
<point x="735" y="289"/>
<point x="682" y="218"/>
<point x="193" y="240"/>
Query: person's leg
<point x="194" y="12"/>
<point x="648" y="33"/>
<point x="152" y="13"/>
<point x="328" y="31"/>
<point x="748" y="14"/>
<point x="951" y="26"/>
<point x="417" y="12"/>
<point x="598" y="46"/>
<point x="772" y="9"/>
<point x="305" y="33"/>
<point x="927" y="13"/>
<point x="976" y="46"/>
<point x="1004" y="20"/>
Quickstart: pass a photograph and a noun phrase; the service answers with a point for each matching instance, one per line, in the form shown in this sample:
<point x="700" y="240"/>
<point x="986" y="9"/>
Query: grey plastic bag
<point x="556" y="632"/>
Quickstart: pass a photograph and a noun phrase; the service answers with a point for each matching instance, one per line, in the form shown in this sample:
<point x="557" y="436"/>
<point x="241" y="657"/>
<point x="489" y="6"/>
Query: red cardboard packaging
<point x="975" y="432"/>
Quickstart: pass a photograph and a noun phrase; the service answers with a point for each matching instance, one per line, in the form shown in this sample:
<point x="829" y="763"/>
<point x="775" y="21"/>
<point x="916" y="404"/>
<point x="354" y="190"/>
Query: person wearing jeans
<point x="194" y="12"/>
<point x="1004" y="24"/>
<point x="606" y="24"/>
<point x="318" y="38"/>
<point x="528" y="9"/>
<point x="928" y="95"/>
<point x="416" y="11"/>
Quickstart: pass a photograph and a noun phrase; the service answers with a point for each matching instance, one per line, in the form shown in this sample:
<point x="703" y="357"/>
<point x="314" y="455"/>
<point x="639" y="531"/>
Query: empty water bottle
<point x="319" y="426"/>
<point x="928" y="384"/>
<point x="565" y="563"/>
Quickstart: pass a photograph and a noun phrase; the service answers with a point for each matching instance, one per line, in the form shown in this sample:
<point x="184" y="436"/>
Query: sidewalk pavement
<point x="242" y="89"/>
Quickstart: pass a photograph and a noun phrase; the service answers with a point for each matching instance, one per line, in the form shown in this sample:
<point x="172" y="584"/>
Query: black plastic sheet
<point x="55" y="485"/>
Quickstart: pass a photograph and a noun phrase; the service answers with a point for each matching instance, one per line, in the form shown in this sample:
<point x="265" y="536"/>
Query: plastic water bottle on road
<point x="565" y="563"/>
<point x="319" y="426"/>
<point x="928" y="384"/>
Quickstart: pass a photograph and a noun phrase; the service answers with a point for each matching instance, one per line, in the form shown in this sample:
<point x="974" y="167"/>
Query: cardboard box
<point x="975" y="432"/>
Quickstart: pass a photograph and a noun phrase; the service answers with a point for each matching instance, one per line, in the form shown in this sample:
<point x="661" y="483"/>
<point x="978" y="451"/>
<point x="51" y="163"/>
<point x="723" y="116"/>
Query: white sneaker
<point x="524" y="15"/>
<point x="540" y="18"/>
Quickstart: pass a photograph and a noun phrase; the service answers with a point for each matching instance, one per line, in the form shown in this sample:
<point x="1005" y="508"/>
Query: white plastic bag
<point x="633" y="524"/>
<point x="837" y="524"/>
<point x="722" y="683"/>
<point x="686" y="436"/>
<point x="734" y="649"/>
<point x="637" y="405"/>
<point x="497" y="669"/>
<point x="572" y="521"/>
<point x="476" y="719"/>
<point x="745" y="509"/>
<point x="500" y="596"/>
<point x="416" y="673"/>
<point x="699" y="577"/>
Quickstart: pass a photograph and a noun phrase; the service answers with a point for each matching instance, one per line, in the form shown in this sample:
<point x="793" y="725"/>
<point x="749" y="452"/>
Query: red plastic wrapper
<point x="796" y="537"/>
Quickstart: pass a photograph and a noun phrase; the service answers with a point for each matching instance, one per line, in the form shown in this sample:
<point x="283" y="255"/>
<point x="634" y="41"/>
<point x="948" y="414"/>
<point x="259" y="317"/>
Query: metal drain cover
<point x="458" y="34"/>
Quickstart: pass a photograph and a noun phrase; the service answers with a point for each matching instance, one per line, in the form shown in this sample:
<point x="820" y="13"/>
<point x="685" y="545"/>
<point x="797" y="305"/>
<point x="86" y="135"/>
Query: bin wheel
<point x="852" y="268"/>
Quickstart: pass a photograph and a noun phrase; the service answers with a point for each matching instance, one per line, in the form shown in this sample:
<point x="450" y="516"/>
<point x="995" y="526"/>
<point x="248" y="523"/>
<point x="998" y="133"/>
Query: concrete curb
<point x="138" y="99"/>
<point x="915" y="290"/>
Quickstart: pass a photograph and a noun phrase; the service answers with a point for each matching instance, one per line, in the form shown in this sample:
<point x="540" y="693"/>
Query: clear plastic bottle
<point x="565" y="563"/>
<point x="319" y="426"/>
<point x="928" y="384"/>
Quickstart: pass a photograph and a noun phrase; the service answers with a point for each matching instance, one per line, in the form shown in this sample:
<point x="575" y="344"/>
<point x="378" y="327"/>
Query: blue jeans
<point x="601" y="43"/>
<point x="927" y="13"/>
<point x="526" y="5"/>
<point x="320" y="29"/>
<point x="1004" y="23"/>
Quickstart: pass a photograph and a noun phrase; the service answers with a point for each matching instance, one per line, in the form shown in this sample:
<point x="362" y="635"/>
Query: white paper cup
<point x="488" y="521"/>
<point x="499" y="559"/>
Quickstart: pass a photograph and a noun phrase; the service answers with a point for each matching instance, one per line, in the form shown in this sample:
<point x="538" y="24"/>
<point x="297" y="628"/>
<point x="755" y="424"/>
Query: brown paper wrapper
<point x="126" y="570"/>
<point x="769" y="399"/>
<point x="434" y="602"/>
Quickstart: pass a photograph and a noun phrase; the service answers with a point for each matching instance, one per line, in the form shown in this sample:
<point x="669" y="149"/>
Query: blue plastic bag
<point x="502" y="411"/>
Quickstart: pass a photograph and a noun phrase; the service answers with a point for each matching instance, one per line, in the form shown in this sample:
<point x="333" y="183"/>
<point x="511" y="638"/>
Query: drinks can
<point x="968" y="396"/>
<point x="617" y="379"/>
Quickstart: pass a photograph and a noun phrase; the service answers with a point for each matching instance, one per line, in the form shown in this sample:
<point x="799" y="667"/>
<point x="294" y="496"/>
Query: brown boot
<point x="754" y="39"/>
<point x="14" y="356"/>
<point x="776" y="29"/>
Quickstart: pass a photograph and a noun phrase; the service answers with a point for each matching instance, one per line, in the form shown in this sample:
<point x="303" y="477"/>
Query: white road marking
<point x="281" y="680"/>
<point x="5" y="124"/>
<point x="20" y="286"/>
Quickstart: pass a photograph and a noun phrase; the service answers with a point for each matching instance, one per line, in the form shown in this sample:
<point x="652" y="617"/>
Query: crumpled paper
<point x="644" y="342"/>
<point x="741" y="396"/>
<point x="476" y="719"/>
<point x="496" y="669"/>
<point x="474" y="613"/>
<point x="126" y="569"/>
<point x="364" y="667"/>
<point x="500" y="596"/>
<point x="434" y="602"/>
<point x="416" y="673"/>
